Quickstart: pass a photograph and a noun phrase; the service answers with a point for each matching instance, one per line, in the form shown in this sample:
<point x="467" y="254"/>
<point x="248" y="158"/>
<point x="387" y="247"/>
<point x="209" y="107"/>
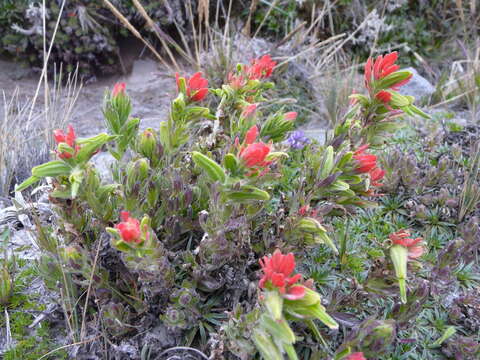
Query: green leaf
<point x="214" y="171"/>
<point x="51" y="168"/>
<point x="265" y="345"/>
<point x="230" y="162"/>
<point x="274" y="303"/>
<point x="449" y="332"/>
<point x="279" y="329"/>
<point x="392" y="79"/>
<point x="30" y="181"/>
<point x="91" y="145"/>
<point x="247" y="193"/>
<point x="339" y="185"/>
<point x="399" y="100"/>
<point x="417" y="111"/>
<point x="345" y="159"/>
<point x="327" y="165"/>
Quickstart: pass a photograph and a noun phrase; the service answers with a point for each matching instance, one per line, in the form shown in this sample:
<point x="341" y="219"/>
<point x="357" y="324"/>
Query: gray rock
<point x="316" y="134"/>
<point x="418" y="86"/>
<point x="103" y="162"/>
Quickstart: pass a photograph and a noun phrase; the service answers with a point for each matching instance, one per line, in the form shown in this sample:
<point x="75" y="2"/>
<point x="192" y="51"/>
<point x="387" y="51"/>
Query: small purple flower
<point x="297" y="140"/>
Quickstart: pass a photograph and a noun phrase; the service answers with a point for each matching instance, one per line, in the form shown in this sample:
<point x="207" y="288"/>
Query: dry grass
<point x="26" y="136"/>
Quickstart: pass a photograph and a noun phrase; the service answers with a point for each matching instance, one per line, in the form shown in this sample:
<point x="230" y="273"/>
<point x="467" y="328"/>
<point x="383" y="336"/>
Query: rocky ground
<point x="150" y="87"/>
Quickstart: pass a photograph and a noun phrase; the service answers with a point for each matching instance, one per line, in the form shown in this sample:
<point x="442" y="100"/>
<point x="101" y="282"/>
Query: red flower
<point x="414" y="246"/>
<point x="197" y="86"/>
<point x="255" y="154"/>
<point x="249" y="110"/>
<point x="236" y="81"/>
<point x="129" y="228"/>
<point x="366" y="162"/>
<point x="384" y="96"/>
<point x="68" y="139"/>
<point x="277" y="271"/>
<point x="305" y="210"/>
<point x="251" y="135"/>
<point x="119" y="88"/>
<point x="260" y="68"/>
<point x="292" y="115"/>
<point x="382" y="67"/>
<point x="356" y="356"/>
<point x="376" y="175"/>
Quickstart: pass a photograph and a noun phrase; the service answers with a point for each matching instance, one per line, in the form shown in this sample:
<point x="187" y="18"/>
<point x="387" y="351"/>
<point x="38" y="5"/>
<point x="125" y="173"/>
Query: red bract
<point x="384" y="96"/>
<point x="255" y="154"/>
<point x="366" y="162"/>
<point x="197" y="86"/>
<point x="68" y="139"/>
<point x="251" y="135"/>
<point x="376" y="175"/>
<point x="356" y="356"/>
<point x="260" y="68"/>
<point x="236" y="81"/>
<point x="305" y="210"/>
<point x="277" y="271"/>
<point x="382" y="67"/>
<point x="414" y="246"/>
<point x="129" y="228"/>
<point x="119" y="88"/>
<point x="249" y="110"/>
<point x="292" y="115"/>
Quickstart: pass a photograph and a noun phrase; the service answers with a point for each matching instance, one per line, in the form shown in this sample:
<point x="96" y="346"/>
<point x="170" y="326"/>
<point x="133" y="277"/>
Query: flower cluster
<point x="249" y="110"/>
<point x="277" y="273"/>
<point x="380" y="69"/>
<point x="69" y="140"/>
<point x="305" y="210"/>
<point x="119" y="89"/>
<point x="297" y="140"/>
<point x="196" y="87"/>
<point x="260" y="68"/>
<point x="254" y="154"/>
<point x="367" y="164"/>
<point x="158" y="172"/>
<point x="129" y="228"/>
<point x="414" y="246"/>
<point x="236" y="81"/>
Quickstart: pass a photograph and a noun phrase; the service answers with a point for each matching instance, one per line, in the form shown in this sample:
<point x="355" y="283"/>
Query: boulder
<point x="316" y="134"/>
<point x="103" y="163"/>
<point x="418" y="86"/>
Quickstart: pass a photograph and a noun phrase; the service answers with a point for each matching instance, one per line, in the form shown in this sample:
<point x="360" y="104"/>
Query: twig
<point x="134" y="31"/>
<point x="82" y="331"/>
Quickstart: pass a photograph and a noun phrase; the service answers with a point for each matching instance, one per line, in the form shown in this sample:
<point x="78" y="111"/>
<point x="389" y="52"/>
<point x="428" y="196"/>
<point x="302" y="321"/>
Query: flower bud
<point x="399" y="255"/>
<point x="274" y="304"/>
<point x="147" y="143"/>
<point x="137" y="172"/>
<point x="70" y="253"/>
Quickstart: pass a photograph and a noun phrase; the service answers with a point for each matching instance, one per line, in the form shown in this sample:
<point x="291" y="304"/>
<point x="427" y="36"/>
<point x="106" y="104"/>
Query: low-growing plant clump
<point x="229" y="232"/>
